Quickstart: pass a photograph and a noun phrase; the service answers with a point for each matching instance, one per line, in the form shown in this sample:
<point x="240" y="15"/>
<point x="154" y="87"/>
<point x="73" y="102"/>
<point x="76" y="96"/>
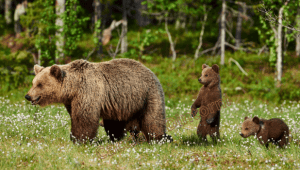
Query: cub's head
<point x="46" y="85"/>
<point x="250" y="127"/>
<point x="210" y="75"/>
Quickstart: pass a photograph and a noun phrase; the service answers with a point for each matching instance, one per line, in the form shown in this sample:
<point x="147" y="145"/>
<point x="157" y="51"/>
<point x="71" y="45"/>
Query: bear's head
<point x="250" y="127"/>
<point x="46" y="85"/>
<point x="210" y="75"/>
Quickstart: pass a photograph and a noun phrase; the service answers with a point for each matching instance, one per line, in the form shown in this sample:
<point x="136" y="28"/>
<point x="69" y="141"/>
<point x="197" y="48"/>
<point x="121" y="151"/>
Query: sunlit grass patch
<point x="38" y="138"/>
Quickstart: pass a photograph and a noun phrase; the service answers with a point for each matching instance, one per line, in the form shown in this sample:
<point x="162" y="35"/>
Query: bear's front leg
<point x="194" y="108"/>
<point x="196" y="105"/>
<point x="83" y="129"/>
<point x="263" y="140"/>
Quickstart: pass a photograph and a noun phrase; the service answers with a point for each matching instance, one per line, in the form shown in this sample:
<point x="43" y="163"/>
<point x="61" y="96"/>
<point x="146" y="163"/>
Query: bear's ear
<point x="37" y="69"/>
<point x="56" y="72"/>
<point x="215" y="67"/>
<point x="246" y="118"/>
<point x="204" y="66"/>
<point x="256" y="120"/>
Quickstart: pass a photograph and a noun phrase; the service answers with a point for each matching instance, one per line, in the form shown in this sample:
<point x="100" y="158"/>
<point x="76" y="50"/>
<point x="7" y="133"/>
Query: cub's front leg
<point x="196" y="105"/>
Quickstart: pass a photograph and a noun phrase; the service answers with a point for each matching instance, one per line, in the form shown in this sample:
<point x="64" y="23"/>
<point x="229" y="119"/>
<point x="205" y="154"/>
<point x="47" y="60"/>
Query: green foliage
<point x="97" y="31"/>
<point x="144" y="39"/>
<point x="40" y="20"/>
<point x="14" y="69"/>
<point x="73" y="25"/>
<point x="266" y="32"/>
<point x="2" y="23"/>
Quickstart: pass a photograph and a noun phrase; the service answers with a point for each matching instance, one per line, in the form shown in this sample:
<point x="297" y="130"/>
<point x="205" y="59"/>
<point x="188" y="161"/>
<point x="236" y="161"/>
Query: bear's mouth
<point x="34" y="102"/>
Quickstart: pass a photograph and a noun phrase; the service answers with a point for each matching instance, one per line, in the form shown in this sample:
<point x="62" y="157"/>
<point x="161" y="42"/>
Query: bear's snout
<point x="27" y="97"/>
<point x="242" y="134"/>
<point x="199" y="80"/>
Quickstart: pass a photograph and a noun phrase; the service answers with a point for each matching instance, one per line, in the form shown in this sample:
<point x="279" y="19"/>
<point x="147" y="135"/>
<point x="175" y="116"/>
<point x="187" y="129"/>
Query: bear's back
<point x="276" y="127"/>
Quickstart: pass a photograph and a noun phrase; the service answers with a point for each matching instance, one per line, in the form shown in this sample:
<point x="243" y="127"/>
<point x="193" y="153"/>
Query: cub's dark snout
<point x="242" y="134"/>
<point x="27" y="97"/>
<point x="199" y="80"/>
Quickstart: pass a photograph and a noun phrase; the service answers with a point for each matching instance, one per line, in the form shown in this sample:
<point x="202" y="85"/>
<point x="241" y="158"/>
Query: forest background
<point x="256" y="43"/>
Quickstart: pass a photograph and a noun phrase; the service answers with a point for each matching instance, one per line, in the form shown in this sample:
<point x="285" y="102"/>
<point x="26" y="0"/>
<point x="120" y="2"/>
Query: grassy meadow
<point x="38" y="138"/>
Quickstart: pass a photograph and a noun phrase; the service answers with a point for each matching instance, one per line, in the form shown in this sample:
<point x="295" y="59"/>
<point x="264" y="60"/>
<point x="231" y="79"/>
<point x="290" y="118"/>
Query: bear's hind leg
<point x="283" y="141"/>
<point x="201" y="131"/>
<point x="153" y="123"/>
<point x="115" y="129"/>
<point x="215" y="129"/>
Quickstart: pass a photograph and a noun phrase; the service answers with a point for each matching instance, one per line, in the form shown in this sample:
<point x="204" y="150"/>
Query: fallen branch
<point x="239" y="48"/>
<point x="201" y="34"/>
<point x="231" y="59"/>
<point x="170" y="40"/>
<point x="262" y="49"/>
<point x="90" y="53"/>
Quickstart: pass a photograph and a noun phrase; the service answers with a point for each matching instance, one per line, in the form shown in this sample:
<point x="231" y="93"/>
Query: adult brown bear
<point x="123" y="92"/>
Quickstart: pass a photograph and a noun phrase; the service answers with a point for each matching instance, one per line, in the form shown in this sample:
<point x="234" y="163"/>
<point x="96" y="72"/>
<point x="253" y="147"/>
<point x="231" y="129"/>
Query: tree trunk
<point x="124" y="28"/>
<point x="60" y="9"/>
<point x="279" y="47"/>
<point x="142" y="20"/>
<point x="298" y="36"/>
<point x="8" y="11"/>
<point x="223" y="32"/>
<point x="98" y="30"/>
<point x="239" y="28"/>
<point x="39" y="57"/>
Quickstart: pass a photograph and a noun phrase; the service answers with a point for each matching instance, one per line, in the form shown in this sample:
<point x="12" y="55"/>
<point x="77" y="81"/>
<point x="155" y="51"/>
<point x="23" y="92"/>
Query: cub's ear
<point x="246" y="118"/>
<point x="56" y="72"/>
<point x="204" y="66"/>
<point x="37" y="69"/>
<point x="215" y="67"/>
<point x="256" y="120"/>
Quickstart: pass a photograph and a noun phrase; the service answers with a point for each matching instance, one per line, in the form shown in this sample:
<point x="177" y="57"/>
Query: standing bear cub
<point x="209" y="100"/>
<point x="123" y="92"/>
<point x="272" y="130"/>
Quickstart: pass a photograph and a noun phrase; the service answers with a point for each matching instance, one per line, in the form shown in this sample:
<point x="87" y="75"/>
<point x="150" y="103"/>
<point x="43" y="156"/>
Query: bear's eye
<point x="206" y="75"/>
<point x="246" y="128"/>
<point x="39" y="85"/>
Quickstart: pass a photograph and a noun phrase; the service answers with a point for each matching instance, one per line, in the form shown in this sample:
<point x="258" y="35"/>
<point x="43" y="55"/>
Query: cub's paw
<point x="194" y="112"/>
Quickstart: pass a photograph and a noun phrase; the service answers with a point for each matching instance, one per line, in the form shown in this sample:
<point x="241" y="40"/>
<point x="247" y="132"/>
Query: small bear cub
<point x="272" y="130"/>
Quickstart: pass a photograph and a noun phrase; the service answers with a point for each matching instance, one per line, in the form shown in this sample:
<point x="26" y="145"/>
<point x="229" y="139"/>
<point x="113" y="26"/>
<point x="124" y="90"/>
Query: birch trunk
<point x="223" y="32"/>
<point x="298" y="35"/>
<point x="60" y="9"/>
<point x="98" y="12"/>
<point x="124" y="28"/>
<point x="8" y="11"/>
<point x="279" y="47"/>
<point x="239" y="28"/>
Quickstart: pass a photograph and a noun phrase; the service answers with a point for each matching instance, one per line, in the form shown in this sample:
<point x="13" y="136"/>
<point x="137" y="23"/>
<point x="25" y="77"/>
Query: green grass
<point x="38" y="138"/>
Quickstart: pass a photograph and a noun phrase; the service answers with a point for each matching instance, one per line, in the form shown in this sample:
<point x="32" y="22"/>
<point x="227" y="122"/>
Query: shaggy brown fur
<point x="209" y="100"/>
<point x="273" y="130"/>
<point x="123" y="92"/>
